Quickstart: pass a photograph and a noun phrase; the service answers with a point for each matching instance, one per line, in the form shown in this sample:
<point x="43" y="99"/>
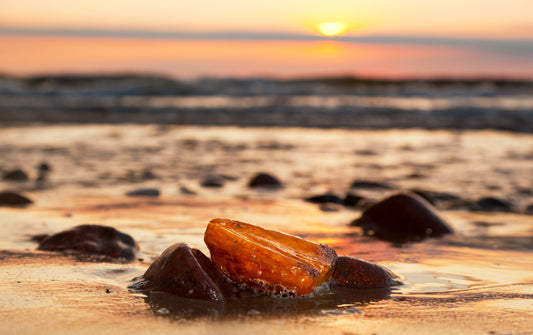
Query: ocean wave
<point x="346" y="102"/>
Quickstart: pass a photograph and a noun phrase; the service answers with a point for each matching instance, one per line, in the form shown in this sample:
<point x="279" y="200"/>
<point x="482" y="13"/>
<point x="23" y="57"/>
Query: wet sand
<point x="478" y="281"/>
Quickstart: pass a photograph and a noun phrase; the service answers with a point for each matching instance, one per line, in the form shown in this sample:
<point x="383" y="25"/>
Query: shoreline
<point x="365" y="118"/>
<point x="329" y="102"/>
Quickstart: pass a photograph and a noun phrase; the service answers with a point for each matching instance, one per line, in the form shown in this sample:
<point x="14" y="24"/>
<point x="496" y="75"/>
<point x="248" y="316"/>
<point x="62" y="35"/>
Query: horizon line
<point x="526" y="44"/>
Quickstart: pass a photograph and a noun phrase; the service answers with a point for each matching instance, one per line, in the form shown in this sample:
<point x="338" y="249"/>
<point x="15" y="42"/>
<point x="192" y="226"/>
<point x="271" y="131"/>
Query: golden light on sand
<point x="331" y="28"/>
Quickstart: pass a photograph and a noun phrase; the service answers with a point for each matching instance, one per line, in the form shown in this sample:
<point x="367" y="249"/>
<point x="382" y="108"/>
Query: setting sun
<point x="332" y="28"/>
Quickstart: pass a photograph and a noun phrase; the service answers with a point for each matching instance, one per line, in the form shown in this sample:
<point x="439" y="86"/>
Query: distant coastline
<point x="153" y="84"/>
<point x="524" y="44"/>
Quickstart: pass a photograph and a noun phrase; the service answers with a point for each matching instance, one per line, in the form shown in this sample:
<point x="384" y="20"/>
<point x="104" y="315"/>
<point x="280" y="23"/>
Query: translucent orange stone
<point x="268" y="260"/>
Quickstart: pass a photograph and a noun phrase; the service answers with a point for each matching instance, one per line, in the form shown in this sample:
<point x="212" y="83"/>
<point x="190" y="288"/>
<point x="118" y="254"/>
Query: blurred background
<point x="390" y="64"/>
<point x="236" y="38"/>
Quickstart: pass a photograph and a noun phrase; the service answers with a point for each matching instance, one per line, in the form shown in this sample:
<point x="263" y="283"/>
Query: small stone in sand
<point x="264" y="180"/>
<point x="8" y="198"/>
<point x="402" y="217"/>
<point x="352" y="200"/>
<point x="92" y="239"/>
<point x="148" y="174"/>
<point x="186" y="272"/>
<point x="324" y="198"/>
<point x="144" y="192"/>
<point x="15" y="175"/>
<point x="213" y="181"/>
<point x="356" y="273"/>
<point x="43" y="170"/>
<point x="44" y="167"/>
<point x="491" y="204"/>
<point x="367" y="184"/>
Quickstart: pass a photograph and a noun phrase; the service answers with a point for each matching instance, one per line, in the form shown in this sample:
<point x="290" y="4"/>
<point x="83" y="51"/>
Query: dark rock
<point x="264" y="180"/>
<point x="352" y="200"/>
<point x="529" y="209"/>
<point x="8" y="198"/>
<point x="491" y="204"/>
<point x="15" y="175"/>
<point x="366" y="152"/>
<point x="524" y="191"/>
<point x="92" y="239"/>
<point x="366" y="184"/>
<point x="144" y="192"/>
<point x="415" y="175"/>
<point x="44" y="167"/>
<point x="356" y="273"/>
<point x="324" y="198"/>
<point x="402" y="217"/>
<point x="147" y="174"/>
<point x="185" y="272"/>
<point x="214" y="181"/>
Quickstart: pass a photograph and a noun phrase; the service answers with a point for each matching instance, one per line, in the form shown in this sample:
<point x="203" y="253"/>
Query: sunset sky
<point x="487" y="18"/>
<point x="493" y="31"/>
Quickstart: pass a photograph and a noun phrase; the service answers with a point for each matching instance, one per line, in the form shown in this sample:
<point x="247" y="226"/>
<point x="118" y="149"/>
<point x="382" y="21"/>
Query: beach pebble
<point x="264" y="180"/>
<point x="356" y="273"/>
<point x="352" y="200"/>
<point x="324" y="199"/>
<point x="402" y="217"/>
<point x="144" y="192"/>
<point x="148" y="174"/>
<point x="92" y="239"/>
<point x="44" y="167"/>
<point x="15" y="175"/>
<point x="214" y="181"/>
<point x="186" y="272"/>
<point x="491" y="204"/>
<point x="366" y="152"/>
<point x="367" y="184"/>
<point x="8" y="198"/>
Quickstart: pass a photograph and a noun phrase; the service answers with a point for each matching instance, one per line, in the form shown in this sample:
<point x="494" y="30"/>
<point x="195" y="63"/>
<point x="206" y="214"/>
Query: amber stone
<point x="268" y="260"/>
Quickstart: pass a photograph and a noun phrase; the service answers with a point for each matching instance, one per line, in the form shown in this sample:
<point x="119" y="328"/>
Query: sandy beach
<point x="268" y="167"/>
<point x="476" y="281"/>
